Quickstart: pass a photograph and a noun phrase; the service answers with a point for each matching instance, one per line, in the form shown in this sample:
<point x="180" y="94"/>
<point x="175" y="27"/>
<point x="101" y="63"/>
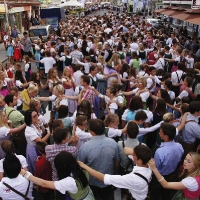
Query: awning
<point x="159" y="10"/>
<point x="182" y="16"/>
<point x="194" y="19"/>
<point x="168" y="12"/>
<point x="16" y="10"/>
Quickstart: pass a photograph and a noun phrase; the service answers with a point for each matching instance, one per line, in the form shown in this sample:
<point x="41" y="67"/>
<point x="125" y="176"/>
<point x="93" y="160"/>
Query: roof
<point x="180" y="15"/>
<point x="168" y="12"/>
<point x="194" y="19"/>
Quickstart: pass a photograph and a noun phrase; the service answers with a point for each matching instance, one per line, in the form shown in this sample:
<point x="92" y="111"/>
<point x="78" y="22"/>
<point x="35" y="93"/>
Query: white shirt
<point x="189" y="62"/>
<point x="143" y="95"/>
<point x="62" y="102"/>
<point x="190" y="183"/>
<point x="177" y="76"/>
<point x="31" y="133"/>
<point x="171" y="94"/>
<point x="83" y="136"/>
<point x="112" y="132"/>
<point x="27" y="67"/>
<point x="108" y="30"/>
<point x="86" y="65"/>
<point x="184" y="93"/>
<point x="134" y="46"/>
<point x="21" y="158"/>
<point x="135" y="184"/>
<point x="48" y="63"/>
<point x="77" y="77"/>
<point x="142" y="73"/>
<point x="19" y="183"/>
<point x="4" y="131"/>
<point x="159" y="64"/>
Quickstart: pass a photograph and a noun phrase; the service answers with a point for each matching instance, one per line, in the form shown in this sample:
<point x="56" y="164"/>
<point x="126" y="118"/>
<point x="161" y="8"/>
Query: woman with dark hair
<point x="14" y="182"/>
<point x="84" y="48"/>
<point x="72" y="179"/>
<point x="20" y="81"/>
<point x="33" y="134"/>
<point x="93" y="57"/>
<point x="135" y="105"/>
<point x="35" y="79"/>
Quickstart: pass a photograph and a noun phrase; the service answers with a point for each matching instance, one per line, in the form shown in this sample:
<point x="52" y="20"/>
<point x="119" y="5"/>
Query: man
<point x="78" y="74"/>
<point x="26" y="42"/>
<point x="101" y="154"/>
<point x="15" y="32"/>
<point x="191" y="130"/>
<point x="76" y="54"/>
<point x="167" y="158"/>
<point x="137" y="181"/>
<point x="134" y="45"/>
<point x="108" y="52"/>
<point x="13" y="115"/>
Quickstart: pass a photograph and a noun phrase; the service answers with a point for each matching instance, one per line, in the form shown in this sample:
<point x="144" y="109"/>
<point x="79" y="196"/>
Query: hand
<point x="81" y="164"/>
<point x="22" y="172"/>
<point x="152" y="164"/>
<point x="187" y="89"/>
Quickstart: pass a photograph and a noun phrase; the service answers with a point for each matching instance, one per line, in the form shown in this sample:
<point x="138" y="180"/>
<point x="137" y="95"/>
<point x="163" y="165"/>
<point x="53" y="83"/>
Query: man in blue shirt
<point x="101" y="154"/>
<point x="167" y="158"/>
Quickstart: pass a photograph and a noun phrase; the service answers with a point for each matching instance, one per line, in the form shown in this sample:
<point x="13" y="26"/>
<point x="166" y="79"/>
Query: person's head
<point x="3" y="119"/>
<point x="85" y="107"/>
<point x="7" y="146"/>
<point x="41" y="147"/>
<point x="11" y="166"/>
<point x="14" y="91"/>
<point x="167" y="84"/>
<point x="194" y="108"/>
<point x="166" y="48"/>
<point x="82" y="122"/>
<point x="66" y="164"/>
<point x="140" y="117"/>
<point x="188" y="81"/>
<point x="26" y="58"/>
<point x="141" y="155"/>
<point x="53" y="124"/>
<point x="191" y="164"/>
<point x="2" y="101"/>
<point x="167" y="132"/>
<point x="60" y="135"/>
<point x="32" y="91"/>
<point x="168" y="117"/>
<point x="85" y="80"/>
<point x="111" y="92"/>
<point x="132" y="130"/>
<point x="143" y="67"/>
<point x="180" y="66"/>
<point x="93" y="70"/>
<point x="160" y="106"/>
<point x="67" y="72"/>
<point x="10" y="100"/>
<point x="152" y="70"/>
<point x="184" y="108"/>
<point x="35" y="77"/>
<point x="162" y="93"/>
<point x="35" y="105"/>
<point x="58" y="90"/>
<point x="136" y="103"/>
<point x="96" y="127"/>
<point x="52" y="74"/>
<point x="62" y="111"/>
<point x="19" y="75"/>
<point x="111" y="120"/>
<point x="31" y="117"/>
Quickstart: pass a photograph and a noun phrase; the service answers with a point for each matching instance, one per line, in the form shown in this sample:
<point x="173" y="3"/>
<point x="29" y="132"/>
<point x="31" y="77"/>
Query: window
<point x="36" y="32"/>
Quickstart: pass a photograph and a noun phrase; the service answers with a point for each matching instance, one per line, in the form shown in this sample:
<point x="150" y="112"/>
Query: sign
<point x="2" y="16"/>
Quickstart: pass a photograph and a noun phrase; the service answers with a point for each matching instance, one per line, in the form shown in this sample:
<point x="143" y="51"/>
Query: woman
<point x="6" y="129"/>
<point x="189" y="187"/>
<point x="4" y="83"/>
<point x="35" y="80"/>
<point x="33" y="133"/>
<point x="69" y="84"/>
<point x="53" y="78"/>
<point x="20" y="81"/>
<point x="72" y="179"/>
<point x="37" y="52"/>
<point x="17" y="50"/>
<point x="10" y="50"/>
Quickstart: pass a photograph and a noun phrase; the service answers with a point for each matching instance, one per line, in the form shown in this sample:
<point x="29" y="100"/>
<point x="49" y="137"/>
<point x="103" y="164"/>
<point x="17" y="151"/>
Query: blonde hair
<point x="115" y="58"/>
<point x="32" y="89"/>
<point x="1" y="119"/>
<point x="143" y="81"/>
<point x="113" y="81"/>
<point x="101" y="59"/>
<point x="167" y="117"/>
<point x="110" y="118"/>
<point x="141" y="47"/>
<point x="59" y="88"/>
<point x="1" y="64"/>
<point x="65" y="70"/>
<point x="1" y="97"/>
<point x="33" y="103"/>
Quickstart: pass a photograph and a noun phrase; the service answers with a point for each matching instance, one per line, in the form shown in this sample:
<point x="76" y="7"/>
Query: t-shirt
<point x="48" y="63"/>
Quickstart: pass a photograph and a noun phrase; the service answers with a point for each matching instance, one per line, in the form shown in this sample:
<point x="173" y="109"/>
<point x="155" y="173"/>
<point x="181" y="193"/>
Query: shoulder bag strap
<point x="178" y="78"/>
<point x="10" y="113"/>
<point x="17" y="192"/>
<point x="141" y="176"/>
<point x="190" y="121"/>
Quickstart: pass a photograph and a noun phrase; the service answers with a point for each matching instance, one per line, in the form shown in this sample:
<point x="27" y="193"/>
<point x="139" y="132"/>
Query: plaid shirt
<point x="53" y="150"/>
<point x="89" y="95"/>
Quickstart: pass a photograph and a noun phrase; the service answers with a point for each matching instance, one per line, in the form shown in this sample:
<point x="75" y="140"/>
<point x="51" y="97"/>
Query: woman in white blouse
<point x="33" y="134"/>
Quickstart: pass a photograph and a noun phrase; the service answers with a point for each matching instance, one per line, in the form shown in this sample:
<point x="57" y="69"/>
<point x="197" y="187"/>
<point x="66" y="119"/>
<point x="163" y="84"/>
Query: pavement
<point x="3" y="57"/>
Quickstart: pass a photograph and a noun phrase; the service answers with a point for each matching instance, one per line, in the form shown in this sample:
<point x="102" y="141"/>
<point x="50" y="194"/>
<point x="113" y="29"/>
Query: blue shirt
<point x="99" y="153"/>
<point x="191" y="130"/>
<point x="168" y="156"/>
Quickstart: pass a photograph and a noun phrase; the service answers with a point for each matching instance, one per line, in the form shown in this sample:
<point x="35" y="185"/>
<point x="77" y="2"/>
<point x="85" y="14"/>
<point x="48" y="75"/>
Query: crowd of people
<point x="125" y="108"/>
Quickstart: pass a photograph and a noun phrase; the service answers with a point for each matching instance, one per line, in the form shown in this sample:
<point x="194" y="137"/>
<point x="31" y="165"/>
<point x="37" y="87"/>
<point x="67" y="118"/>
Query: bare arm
<point x="15" y="130"/>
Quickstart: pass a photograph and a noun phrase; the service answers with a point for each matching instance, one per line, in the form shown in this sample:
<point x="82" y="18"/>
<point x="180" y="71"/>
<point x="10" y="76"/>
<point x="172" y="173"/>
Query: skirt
<point x="4" y="92"/>
<point x="17" y="54"/>
<point x="10" y="51"/>
<point x="31" y="156"/>
<point x="37" y="57"/>
<point x="72" y="104"/>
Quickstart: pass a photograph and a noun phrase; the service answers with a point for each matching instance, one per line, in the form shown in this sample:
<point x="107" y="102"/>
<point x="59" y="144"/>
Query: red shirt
<point x="43" y="170"/>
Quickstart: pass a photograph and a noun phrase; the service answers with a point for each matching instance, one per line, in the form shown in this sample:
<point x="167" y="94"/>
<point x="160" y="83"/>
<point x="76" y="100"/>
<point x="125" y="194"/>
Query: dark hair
<point x="41" y="147"/>
<point x="8" y="98"/>
<point x="62" y="111"/>
<point x="185" y="108"/>
<point x="140" y="115"/>
<point x="136" y="103"/>
<point x="152" y="68"/>
<point x="180" y="65"/>
<point x="92" y="68"/>
<point x="169" y="130"/>
<point x="34" y="78"/>
<point x="28" y="117"/>
<point x="167" y="75"/>
<point x="53" y="124"/>
<point x="165" y="96"/>
<point x="19" y="76"/>
<point x="97" y="126"/>
<point x="194" y="106"/>
<point x="160" y="107"/>
<point x="66" y="165"/>
<point x="117" y="86"/>
<point x="189" y="81"/>
<point x="59" y="135"/>
<point x="25" y="33"/>
<point x="168" y="83"/>
<point x="85" y="108"/>
<point x="143" y="153"/>
<point x="7" y="146"/>
<point x="80" y="119"/>
<point x="86" y="79"/>
<point x="132" y="129"/>
<point x="11" y="165"/>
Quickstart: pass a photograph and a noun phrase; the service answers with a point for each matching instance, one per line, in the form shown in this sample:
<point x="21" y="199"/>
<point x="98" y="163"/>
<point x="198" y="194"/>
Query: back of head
<point x="143" y="153"/>
<point x="132" y="130"/>
<point x="194" y="106"/>
<point x="62" y="111"/>
<point x="168" y="130"/>
<point x="140" y="115"/>
<point x="11" y="165"/>
<point x="7" y="146"/>
<point x="9" y="99"/>
<point x="59" y="135"/>
<point x="96" y="126"/>
<point x="41" y="147"/>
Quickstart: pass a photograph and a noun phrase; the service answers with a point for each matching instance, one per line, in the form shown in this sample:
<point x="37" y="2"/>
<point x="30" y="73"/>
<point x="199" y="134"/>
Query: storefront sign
<point x="2" y="16"/>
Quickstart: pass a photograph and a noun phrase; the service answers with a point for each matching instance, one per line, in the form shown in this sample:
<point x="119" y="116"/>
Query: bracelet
<point x="161" y="179"/>
<point x="27" y="175"/>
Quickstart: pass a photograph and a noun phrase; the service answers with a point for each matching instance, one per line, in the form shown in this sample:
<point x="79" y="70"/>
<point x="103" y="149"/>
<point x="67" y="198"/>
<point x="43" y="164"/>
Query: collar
<point x="192" y="117"/>
<point x="167" y="143"/>
<point x="97" y="137"/>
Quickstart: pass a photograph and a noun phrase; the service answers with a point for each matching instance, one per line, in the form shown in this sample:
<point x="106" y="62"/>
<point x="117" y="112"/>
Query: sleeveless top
<point x="68" y="61"/>
<point x="152" y="59"/>
<point x="193" y="194"/>
<point x="82" y="192"/>
<point x="142" y="55"/>
<point x="135" y="63"/>
<point x="94" y="83"/>
<point x="130" y="115"/>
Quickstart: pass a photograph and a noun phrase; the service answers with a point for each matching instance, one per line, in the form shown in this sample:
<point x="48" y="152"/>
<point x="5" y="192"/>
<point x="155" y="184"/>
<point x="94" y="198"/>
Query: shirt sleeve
<point x="22" y="160"/>
<point x="83" y="135"/>
<point x="4" y="132"/>
<point x="66" y="184"/>
<point x="26" y="67"/>
<point x="114" y="132"/>
<point x="18" y="83"/>
<point x="184" y="93"/>
<point x="124" y="115"/>
<point x="190" y="183"/>
<point x="1" y="165"/>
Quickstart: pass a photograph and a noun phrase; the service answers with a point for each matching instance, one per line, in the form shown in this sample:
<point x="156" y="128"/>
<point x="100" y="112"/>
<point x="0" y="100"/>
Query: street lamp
<point x="6" y="13"/>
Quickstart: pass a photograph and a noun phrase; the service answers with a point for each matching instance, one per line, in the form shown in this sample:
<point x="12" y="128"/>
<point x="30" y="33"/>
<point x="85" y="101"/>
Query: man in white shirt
<point x="160" y="62"/>
<point x="108" y="29"/>
<point x="137" y="181"/>
<point x="134" y="45"/>
<point x="78" y="74"/>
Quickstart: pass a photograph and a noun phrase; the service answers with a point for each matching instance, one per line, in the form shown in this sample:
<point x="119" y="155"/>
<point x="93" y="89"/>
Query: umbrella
<point x="71" y="3"/>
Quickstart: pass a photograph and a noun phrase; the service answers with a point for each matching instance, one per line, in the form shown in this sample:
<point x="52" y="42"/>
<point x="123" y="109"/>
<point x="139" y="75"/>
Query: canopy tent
<point x="180" y="15"/>
<point x="193" y="18"/>
<point x="159" y="10"/>
<point x="71" y="3"/>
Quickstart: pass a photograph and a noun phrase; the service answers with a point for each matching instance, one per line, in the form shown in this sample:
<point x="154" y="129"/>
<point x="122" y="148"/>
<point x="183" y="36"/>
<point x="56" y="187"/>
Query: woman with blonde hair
<point x="53" y="78"/>
<point x="189" y="187"/>
<point x="4" y="83"/>
<point x="69" y="85"/>
<point x="115" y="61"/>
<point x="6" y="129"/>
<point x="142" y="54"/>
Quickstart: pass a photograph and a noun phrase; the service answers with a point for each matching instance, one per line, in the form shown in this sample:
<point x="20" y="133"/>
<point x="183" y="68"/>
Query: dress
<point x="10" y="50"/>
<point x="37" y="57"/>
<point x="17" y="52"/>
<point x="4" y="90"/>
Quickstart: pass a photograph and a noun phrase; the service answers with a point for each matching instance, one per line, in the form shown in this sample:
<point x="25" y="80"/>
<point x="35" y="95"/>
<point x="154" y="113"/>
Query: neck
<point x="11" y="105"/>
